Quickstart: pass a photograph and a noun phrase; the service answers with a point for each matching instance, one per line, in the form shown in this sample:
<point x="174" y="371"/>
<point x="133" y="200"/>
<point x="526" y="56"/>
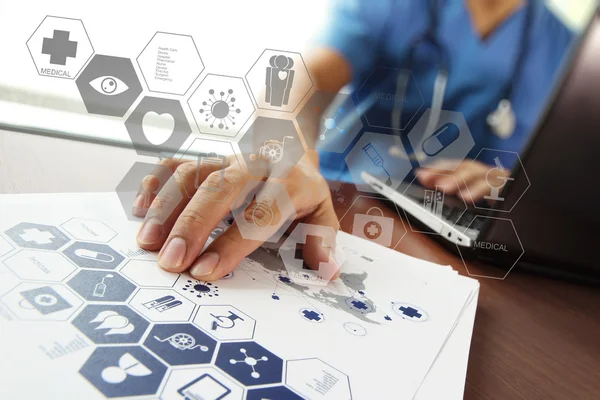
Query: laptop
<point x="553" y="193"/>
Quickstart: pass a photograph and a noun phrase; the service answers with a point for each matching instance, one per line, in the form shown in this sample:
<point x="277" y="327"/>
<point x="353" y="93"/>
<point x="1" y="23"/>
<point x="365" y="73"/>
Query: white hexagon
<point x="489" y="246"/>
<point x="225" y="322"/>
<point x="89" y="230"/>
<point x="149" y="274"/>
<point x="5" y="247"/>
<point x="170" y="63"/>
<point x="371" y="154"/>
<point x="221" y="105"/>
<point x="37" y="265"/>
<point x="60" y="47"/>
<point x="279" y="80"/>
<point x="314" y="379"/>
<point x="162" y="305"/>
<point x="200" y="383"/>
<point x="42" y="302"/>
<point x="263" y="211"/>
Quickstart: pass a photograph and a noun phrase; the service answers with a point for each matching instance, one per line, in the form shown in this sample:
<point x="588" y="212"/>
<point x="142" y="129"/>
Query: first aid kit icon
<point x="376" y="228"/>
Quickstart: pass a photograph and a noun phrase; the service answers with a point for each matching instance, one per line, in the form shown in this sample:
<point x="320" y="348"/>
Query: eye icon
<point x="109" y="85"/>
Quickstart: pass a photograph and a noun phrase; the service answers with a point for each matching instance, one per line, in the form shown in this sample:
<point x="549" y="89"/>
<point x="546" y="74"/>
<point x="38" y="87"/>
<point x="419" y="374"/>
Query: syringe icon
<point x="376" y="158"/>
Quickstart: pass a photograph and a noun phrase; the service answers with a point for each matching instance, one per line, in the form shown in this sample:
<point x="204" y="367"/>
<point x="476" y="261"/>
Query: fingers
<point x="189" y="233"/>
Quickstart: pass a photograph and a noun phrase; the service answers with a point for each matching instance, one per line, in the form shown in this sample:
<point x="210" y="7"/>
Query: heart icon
<point x="158" y="128"/>
<point x="282" y="74"/>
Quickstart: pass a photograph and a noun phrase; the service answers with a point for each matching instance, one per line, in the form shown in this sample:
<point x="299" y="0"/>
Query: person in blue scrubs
<point x="490" y="49"/>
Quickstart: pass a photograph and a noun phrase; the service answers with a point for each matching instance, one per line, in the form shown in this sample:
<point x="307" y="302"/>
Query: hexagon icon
<point x="170" y="63"/>
<point x="181" y="344"/>
<point x="110" y="324"/>
<point x="60" y="47"/>
<point x="40" y="265"/>
<point x="329" y="121"/>
<point x="309" y="254"/>
<point x="37" y="236"/>
<point x="109" y="85"/>
<point x="42" y="302"/>
<point x="107" y="286"/>
<point x="158" y="127"/>
<point x="5" y="247"/>
<point x="374" y="219"/>
<point x="249" y="363"/>
<point x="315" y="379"/>
<point x="197" y="383"/>
<point x="443" y="145"/>
<point x="162" y="305"/>
<point x="124" y="371"/>
<point x="93" y="255"/>
<point x="211" y="156"/>
<point x="497" y="178"/>
<point x="279" y="80"/>
<point x="89" y="230"/>
<point x="149" y="274"/>
<point x="500" y="252"/>
<point x="221" y="105"/>
<point x="135" y="199"/>
<point x="450" y="208"/>
<point x="271" y="147"/>
<point x="225" y="322"/>
<point x="381" y="94"/>
<point x="274" y="392"/>
<point x="263" y="211"/>
<point x="371" y="155"/>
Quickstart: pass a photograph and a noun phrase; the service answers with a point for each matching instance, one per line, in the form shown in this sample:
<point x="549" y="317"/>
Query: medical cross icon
<point x="373" y="230"/>
<point x="318" y="241"/>
<point x="311" y="315"/>
<point x="36" y="236"/>
<point x="59" y="47"/>
<point x="359" y="305"/>
<point x="411" y="312"/>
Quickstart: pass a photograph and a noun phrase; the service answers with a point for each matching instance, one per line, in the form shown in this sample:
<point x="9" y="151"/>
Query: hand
<point x="470" y="183"/>
<point x="179" y="226"/>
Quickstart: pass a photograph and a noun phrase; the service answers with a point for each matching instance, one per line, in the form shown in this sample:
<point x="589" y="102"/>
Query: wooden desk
<point x="534" y="337"/>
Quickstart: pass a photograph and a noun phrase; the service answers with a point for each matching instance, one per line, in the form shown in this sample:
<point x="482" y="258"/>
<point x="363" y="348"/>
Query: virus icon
<point x="201" y="289"/>
<point x="220" y="109"/>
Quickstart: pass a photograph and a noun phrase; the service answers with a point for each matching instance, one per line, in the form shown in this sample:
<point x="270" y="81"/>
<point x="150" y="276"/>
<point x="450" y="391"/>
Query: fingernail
<point x="173" y="254"/>
<point x="205" y="265"/>
<point x="150" y="232"/>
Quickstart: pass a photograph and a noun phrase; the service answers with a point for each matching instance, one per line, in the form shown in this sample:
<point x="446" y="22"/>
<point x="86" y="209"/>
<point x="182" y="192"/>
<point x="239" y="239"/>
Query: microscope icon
<point x="493" y="177"/>
<point x="225" y="321"/>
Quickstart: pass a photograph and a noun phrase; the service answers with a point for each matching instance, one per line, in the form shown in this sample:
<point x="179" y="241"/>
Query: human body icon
<point x="279" y="80"/>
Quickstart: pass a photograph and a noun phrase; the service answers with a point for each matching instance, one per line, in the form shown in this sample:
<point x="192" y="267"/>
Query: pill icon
<point x="440" y="139"/>
<point x="94" y="255"/>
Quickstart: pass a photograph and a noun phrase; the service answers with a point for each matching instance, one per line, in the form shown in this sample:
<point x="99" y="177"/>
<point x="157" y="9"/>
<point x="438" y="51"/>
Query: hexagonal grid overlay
<point x="5" y="247"/>
<point x="490" y="250"/>
<point x="60" y="47"/>
<point x="449" y="207"/>
<point x="109" y="85"/>
<point x="105" y="286"/>
<point x="271" y="147"/>
<point x="42" y="302"/>
<point x="89" y="230"/>
<point x="279" y="80"/>
<point x="37" y="236"/>
<point x="93" y="255"/>
<point x="380" y="93"/>
<point x="221" y="105"/>
<point x="162" y="305"/>
<point x="181" y="344"/>
<point x="443" y="145"/>
<point x="263" y="211"/>
<point x="149" y="274"/>
<point x="170" y="63"/>
<point x="195" y="383"/>
<point x="249" y="363"/>
<point x="313" y="379"/>
<point x="497" y="178"/>
<point x="225" y="322"/>
<point x="158" y="127"/>
<point x="371" y="154"/>
<point x="330" y="118"/>
<point x="110" y="323"/>
<point x="38" y="265"/>
<point x="124" y="371"/>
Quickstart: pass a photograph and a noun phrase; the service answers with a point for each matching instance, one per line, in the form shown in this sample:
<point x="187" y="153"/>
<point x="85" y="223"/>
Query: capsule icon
<point x="94" y="255"/>
<point x="443" y="137"/>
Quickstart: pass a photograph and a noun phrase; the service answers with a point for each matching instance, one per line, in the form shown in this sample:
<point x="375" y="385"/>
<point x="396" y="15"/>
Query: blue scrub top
<point x="382" y="33"/>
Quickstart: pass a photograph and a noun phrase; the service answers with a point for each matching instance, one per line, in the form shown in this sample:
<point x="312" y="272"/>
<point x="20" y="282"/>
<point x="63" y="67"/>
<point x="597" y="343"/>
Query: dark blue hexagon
<point x="250" y="363"/>
<point x="181" y="344"/>
<point x="276" y="392"/>
<point x="37" y="236"/>
<point x="107" y="323"/>
<point x="93" y="255"/>
<point x="101" y="286"/>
